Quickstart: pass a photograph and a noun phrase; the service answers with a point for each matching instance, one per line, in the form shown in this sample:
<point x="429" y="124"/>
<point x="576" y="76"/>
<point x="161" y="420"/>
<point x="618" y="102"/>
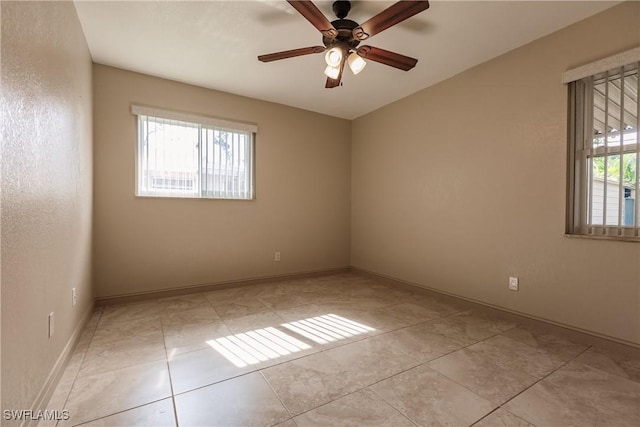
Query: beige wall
<point x="146" y="244"/>
<point x="461" y="185"/>
<point x="46" y="190"/>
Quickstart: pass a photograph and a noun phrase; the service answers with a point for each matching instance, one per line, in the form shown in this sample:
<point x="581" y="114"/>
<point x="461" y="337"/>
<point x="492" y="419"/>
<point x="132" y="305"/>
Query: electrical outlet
<point x="74" y="297"/>
<point x="513" y="283"/>
<point x="277" y="257"/>
<point x="51" y="324"/>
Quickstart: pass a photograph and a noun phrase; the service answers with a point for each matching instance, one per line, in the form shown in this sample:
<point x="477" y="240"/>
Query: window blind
<point x="184" y="155"/>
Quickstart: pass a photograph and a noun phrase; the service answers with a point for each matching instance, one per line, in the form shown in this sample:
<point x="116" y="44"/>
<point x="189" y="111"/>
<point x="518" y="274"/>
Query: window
<point x="604" y="154"/>
<point x="182" y="155"/>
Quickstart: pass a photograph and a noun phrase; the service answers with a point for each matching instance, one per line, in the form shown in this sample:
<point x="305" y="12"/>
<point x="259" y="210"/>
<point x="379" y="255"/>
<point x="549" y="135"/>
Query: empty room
<point x="320" y="213"/>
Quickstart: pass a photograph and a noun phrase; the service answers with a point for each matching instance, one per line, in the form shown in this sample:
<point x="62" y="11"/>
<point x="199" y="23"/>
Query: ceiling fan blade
<point x="387" y="57"/>
<point x="313" y="15"/>
<point x="331" y="83"/>
<point x="291" y="53"/>
<point x="391" y="16"/>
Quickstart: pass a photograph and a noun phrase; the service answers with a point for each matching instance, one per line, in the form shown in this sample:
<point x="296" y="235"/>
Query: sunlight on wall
<point x="253" y="347"/>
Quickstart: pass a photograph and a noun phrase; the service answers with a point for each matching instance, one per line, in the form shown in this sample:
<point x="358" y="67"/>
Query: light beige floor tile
<point x="230" y="294"/>
<point x="202" y="367"/>
<point x="374" y="318"/>
<point x="283" y="287"/>
<point x="194" y="336"/>
<point x="288" y="423"/>
<point x="400" y="296"/>
<point x="183" y="302"/>
<point x="599" y="387"/>
<point x="189" y="316"/>
<point x="278" y="302"/>
<point x="371" y="360"/>
<point x="512" y="354"/>
<point x="421" y="343"/>
<point x="302" y="312"/>
<point x="420" y="310"/>
<point x="239" y="307"/>
<point x="113" y="314"/>
<point x="502" y="418"/>
<point x="545" y="404"/>
<point x="103" y="357"/>
<point x="362" y="408"/>
<point x="325" y="384"/>
<point x="469" y="326"/>
<point x="97" y="396"/>
<point x="429" y="398"/>
<point x="365" y="302"/>
<point x="311" y="381"/>
<point x="624" y="364"/>
<point x="312" y="312"/>
<point x="320" y="295"/>
<point x="136" y="328"/>
<point x="327" y="330"/>
<point x="445" y="304"/>
<point x="253" y="321"/>
<point x="156" y="414"/>
<point x="411" y="313"/>
<point x="480" y="374"/>
<point x="559" y="347"/>
<point x="243" y="401"/>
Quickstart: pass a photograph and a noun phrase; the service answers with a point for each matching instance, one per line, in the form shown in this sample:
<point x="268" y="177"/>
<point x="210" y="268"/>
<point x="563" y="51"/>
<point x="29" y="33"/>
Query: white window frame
<point x="201" y="123"/>
<point x="581" y="151"/>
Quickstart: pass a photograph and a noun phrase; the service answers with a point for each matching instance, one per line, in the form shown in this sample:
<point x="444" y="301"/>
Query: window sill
<point x="174" y="197"/>
<point x="609" y="238"/>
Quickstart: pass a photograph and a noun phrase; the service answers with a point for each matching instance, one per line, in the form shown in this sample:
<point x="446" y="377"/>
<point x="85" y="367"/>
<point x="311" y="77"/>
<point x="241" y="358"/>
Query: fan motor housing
<point x="345" y="34"/>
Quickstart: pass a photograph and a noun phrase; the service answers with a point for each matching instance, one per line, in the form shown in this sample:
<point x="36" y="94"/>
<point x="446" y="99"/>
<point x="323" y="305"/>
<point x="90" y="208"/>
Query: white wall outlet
<point x="513" y="283"/>
<point x="277" y="257"/>
<point x="51" y="325"/>
<point x="74" y="297"/>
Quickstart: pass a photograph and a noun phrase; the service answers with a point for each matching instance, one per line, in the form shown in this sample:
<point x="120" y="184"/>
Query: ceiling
<point x="215" y="44"/>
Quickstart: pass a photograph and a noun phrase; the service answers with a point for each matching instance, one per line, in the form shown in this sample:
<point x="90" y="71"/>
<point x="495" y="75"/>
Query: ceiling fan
<point x="342" y="37"/>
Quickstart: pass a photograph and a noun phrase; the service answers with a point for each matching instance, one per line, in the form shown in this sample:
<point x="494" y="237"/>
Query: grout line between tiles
<point x="276" y="394"/>
<point x="393" y="406"/>
<point x="166" y="353"/>
<point x="530" y="386"/>
<point x="119" y="412"/>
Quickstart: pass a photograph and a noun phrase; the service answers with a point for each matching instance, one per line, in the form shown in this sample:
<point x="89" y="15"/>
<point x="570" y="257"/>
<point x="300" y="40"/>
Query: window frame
<point x="579" y="157"/>
<point x="202" y="123"/>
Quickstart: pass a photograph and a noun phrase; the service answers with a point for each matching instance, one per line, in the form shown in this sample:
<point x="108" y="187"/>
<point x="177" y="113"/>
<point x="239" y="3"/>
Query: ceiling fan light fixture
<point x="333" y="57"/>
<point x="356" y="63"/>
<point x="332" y="72"/>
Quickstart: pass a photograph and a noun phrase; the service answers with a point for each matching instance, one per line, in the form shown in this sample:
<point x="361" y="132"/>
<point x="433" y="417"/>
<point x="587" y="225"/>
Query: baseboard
<point x="206" y="287"/>
<point x="592" y="337"/>
<point x="58" y="368"/>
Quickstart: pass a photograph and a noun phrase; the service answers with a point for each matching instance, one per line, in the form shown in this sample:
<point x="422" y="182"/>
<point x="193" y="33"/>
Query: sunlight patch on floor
<point x="260" y="345"/>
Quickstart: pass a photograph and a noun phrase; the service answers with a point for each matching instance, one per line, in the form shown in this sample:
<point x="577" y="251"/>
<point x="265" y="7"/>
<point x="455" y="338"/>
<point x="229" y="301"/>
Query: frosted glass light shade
<point x="333" y="57"/>
<point x="356" y="63"/>
<point x="332" y="72"/>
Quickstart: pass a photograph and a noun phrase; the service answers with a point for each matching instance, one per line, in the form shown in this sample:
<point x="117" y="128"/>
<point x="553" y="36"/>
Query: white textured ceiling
<point x="215" y="44"/>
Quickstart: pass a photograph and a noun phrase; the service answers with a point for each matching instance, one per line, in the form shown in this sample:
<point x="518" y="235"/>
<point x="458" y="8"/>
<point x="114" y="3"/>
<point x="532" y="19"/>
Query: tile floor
<point x="341" y="350"/>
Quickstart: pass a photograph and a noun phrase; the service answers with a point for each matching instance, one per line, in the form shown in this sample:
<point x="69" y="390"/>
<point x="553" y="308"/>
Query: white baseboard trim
<point x="206" y="287"/>
<point x="595" y="337"/>
<point x="58" y="368"/>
